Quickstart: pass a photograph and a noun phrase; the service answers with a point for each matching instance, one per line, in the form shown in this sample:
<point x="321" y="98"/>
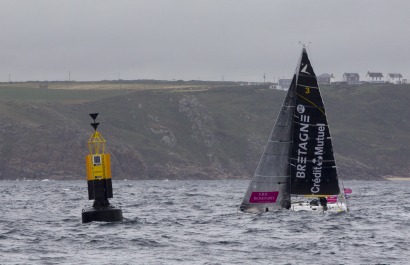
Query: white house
<point x="394" y="78"/>
<point x="325" y="79"/>
<point x="283" y="84"/>
<point x="351" y="78"/>
<point x="374" y="77"/>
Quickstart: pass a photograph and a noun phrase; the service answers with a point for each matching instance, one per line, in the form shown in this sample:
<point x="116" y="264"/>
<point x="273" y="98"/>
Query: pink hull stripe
<point x="348" y="191"/>
<point x="264" y="197"/>
<point x="332" y="199"/>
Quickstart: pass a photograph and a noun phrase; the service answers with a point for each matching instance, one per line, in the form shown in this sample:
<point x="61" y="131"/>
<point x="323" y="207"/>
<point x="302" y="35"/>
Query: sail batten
<point x="311" y="124"/>
<point x="313" y="160"/>
<point x="309" y="86"/>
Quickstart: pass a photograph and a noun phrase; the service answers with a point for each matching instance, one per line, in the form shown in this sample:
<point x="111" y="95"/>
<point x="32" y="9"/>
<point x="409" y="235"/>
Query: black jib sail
<point x="313" y="168"/>
<point x="269" y="188"/>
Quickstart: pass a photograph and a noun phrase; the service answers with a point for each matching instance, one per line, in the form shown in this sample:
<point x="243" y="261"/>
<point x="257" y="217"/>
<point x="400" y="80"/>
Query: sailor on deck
<point x="323" y="203"/>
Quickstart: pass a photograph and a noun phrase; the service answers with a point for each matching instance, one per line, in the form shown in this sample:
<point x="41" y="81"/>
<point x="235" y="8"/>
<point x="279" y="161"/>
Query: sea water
<point x="198" y="222"/>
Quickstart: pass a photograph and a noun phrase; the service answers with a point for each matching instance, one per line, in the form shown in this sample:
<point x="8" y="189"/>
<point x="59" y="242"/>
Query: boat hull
<point x="331" y="207"/>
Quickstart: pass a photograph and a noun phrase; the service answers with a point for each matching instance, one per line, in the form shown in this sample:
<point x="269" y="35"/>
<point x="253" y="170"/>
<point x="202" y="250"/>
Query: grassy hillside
<point x="371" y="125"/>
<point x="205" y="130"/>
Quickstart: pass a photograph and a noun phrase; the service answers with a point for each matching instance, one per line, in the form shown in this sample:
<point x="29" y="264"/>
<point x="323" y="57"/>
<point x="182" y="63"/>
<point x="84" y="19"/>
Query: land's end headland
<point x="189" y="130"/>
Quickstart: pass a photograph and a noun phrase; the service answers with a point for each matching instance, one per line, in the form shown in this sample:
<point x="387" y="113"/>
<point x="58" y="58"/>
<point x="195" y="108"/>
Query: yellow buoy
<point x="99" y="182"/>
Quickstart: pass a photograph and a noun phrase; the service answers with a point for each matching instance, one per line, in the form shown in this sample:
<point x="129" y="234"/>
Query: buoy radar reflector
<point x="99" y="180"/>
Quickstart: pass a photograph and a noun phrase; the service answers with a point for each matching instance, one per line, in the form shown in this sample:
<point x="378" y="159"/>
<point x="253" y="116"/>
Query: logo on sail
<point x="318" y="160"/>
<point x="300" y="108"/>
<point x="264" y="197"/>
<point x="302" y="150"/>
<point x="304" y="70"/>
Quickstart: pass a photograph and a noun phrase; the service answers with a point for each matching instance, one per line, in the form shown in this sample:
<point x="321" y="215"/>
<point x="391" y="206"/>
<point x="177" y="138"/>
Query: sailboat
<point x="297" y="170"/>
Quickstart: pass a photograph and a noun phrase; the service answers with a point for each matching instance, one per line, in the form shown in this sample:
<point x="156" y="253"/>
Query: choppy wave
<point x="198" y="222"/>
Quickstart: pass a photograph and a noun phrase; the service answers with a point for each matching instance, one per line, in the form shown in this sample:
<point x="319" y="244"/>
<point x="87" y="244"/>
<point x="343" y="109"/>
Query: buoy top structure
<point x="98" y="165"/>
<point x="99" y="182"/>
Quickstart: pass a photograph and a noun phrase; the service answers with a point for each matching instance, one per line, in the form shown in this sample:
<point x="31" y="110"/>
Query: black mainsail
<point x="313" y="168"/>
<point x="298" y="157"/>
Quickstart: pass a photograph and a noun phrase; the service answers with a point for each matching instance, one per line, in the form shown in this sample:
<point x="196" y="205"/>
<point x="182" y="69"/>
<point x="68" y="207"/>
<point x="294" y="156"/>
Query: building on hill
<point x="351" y="78"/>
<point x="284" y="84"/>
<point x="325" y="79"/>
<point x="43" y="84"/>
<point x="374" y="77"/>
<point x="394" y="78"/>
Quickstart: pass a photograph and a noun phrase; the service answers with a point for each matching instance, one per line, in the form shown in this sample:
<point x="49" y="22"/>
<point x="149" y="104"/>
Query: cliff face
<point x="206" y="134"/>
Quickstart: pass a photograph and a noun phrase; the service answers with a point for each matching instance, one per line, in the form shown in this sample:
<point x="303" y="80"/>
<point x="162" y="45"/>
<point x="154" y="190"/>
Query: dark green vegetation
<point x="191" y="131"/>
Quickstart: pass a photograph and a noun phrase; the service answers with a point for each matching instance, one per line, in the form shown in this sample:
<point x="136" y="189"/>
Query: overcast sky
<point x="205" y="39"/>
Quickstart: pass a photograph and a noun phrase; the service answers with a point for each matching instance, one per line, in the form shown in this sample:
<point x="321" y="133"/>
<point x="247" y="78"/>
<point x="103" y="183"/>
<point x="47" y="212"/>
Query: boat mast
<point x="294" y="107"/>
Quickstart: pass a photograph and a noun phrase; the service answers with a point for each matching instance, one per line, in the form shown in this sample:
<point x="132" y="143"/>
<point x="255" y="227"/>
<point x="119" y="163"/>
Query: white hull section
<point x="331" y="207"/>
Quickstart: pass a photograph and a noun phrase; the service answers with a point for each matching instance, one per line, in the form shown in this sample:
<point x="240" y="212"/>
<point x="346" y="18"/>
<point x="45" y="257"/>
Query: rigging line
<point x="310" y="53"/>
<point x="272" y="176"/>
<point x="310" y="76"/>
<point x="312" y="103"/>
<point x="273" y="154"/>
<point x="344" y="196"/>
